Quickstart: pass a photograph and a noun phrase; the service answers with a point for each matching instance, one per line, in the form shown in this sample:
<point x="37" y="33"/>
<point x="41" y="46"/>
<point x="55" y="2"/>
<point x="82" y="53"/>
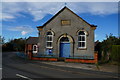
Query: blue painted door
<point x="64" y="49"/>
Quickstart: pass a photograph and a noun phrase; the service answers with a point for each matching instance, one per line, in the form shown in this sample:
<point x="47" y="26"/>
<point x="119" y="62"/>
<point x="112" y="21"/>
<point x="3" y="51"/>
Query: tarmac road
<point x="15" y="67"/>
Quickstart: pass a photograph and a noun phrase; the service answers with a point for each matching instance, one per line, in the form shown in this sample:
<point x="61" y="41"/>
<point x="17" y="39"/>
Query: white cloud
<point x="95" y="36"/>
<point x="60" y="0"/>
<point x="94" y="8"/>
<point x="11" y="10"/>
<point x="24" y="32"/>
<point x="23" y="29"/>
<point x="7" y="16"/>
<point x="40" y="9"/>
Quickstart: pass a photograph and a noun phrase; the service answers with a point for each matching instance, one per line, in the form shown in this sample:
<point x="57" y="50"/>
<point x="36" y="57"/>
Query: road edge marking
<point x="19" y="75"/>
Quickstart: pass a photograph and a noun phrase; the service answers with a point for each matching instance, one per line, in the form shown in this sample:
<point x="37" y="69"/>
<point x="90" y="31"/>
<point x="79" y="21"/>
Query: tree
<point x="105" y="48"/>
<point x="15" y="45"/>
<point x="2" y="39"/>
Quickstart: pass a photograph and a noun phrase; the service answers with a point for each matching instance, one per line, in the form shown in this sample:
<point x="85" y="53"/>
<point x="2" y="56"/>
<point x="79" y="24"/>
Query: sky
<point x="20" y="19"/>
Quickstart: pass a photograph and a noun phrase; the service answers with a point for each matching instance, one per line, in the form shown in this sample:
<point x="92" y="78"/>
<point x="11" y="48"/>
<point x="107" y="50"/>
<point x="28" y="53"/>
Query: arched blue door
<point x="64" y="47"/>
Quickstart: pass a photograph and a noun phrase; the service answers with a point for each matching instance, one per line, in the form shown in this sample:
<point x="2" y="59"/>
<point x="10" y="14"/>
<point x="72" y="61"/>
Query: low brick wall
<point x="44" y="59"/>
<point x="95" y="60"/>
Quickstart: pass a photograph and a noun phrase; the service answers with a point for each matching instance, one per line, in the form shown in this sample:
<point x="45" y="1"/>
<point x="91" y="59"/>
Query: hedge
<point x="115" y="53"/>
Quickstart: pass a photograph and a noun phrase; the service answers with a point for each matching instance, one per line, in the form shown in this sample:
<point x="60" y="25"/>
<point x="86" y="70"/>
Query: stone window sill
<point x="81" y="48"/>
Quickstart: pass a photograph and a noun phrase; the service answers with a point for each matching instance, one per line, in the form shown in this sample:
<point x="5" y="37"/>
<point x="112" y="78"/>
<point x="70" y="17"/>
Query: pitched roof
<point x="32" y="40"/>
<point x="59" y="13"/>
<point x="96" y="42"/>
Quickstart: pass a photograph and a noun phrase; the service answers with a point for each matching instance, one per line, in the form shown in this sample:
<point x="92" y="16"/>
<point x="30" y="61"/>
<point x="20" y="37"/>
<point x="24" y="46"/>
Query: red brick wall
<point x="44" y="59"/>
<point x="95" y="60"/>
<point x="29" y="47"/>
<point x="28" y="50"/>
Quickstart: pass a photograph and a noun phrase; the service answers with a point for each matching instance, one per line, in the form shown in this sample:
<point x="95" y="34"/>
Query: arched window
<point x="49" y="39"/>
<point x="81" y="39"/>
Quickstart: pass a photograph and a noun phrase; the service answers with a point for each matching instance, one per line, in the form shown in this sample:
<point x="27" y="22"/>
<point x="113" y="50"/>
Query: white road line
<point x="19" y="75"/>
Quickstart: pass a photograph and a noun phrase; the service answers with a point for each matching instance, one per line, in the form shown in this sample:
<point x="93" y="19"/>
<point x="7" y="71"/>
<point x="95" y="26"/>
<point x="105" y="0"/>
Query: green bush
<point x="115" y="53"/>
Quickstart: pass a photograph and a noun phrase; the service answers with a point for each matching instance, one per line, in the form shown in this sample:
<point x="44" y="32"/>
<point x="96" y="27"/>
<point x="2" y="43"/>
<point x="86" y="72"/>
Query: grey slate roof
<point x="32" y="40"/>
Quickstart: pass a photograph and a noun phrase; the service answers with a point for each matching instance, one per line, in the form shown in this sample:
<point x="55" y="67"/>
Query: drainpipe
<point x="73" y="49"/>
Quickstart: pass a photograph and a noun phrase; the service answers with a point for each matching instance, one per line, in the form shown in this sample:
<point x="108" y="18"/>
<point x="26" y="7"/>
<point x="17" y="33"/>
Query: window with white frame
<point x="35" y="48"/>
<point x="49" y="39"/>
<point x="81" y="39"/>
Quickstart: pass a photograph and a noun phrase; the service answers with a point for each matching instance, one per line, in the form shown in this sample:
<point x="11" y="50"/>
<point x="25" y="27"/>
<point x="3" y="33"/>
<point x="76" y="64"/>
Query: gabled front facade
<point x="66" y="35"/>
